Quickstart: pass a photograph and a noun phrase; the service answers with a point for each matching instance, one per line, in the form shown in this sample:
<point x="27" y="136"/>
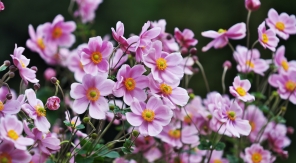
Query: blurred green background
<point x="197" y="15"/>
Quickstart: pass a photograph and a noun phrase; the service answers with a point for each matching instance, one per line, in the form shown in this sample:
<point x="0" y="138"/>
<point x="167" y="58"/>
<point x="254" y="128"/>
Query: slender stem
<point x="203" y="75"/>
<point x="231" y="47"/>
<point x="248" y="28"/>
<point x="21" y="85"/>
<point x="223" y="79"/>
<point x="250" y="60"/>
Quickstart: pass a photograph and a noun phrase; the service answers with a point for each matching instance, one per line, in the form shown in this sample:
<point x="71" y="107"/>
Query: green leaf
<point x="81" y="159"/>
<point x="3" y="67"/>
<point x="220" y="146"/>
<point x="126" y="150"/>
<point x="264" y="108"/>
<point x="233" y="159"/>
<point x="280" y="119"/>
<point x="258" y="95"/>
<point x="80" y="127"/>
<point x="50" y="161"/>
<point x="31" y="125"/>
<point x="112" y="154"/>
<point x="127" y="143"/>
<point x="204" y="145"/>
<point x="67" y="123"/>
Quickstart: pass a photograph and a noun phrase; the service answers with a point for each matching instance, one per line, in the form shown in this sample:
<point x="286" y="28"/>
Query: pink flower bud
<point x="252" y="4"/>
<point x="49" y="73"/>
<point x="2" y="6"/>
<point x="227" y="64"/>
<point x="290" y="130"/>
<point x="53" y="103"/>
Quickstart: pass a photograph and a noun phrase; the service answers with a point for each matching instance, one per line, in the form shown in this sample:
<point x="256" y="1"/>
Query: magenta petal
<point x="133" y="119"/>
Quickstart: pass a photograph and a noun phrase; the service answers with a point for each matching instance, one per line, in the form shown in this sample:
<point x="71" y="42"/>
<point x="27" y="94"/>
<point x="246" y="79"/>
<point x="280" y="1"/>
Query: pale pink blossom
<point x="74" y="64"/>
<point x="53" y="103"/>
<point x="187" y="64"/>
<point x="118" y="59"/>
<point x="281" y="61"/>
<point x="49" y="73"/>
<point x="240" y="89"/>
<point x="118" y="36"/>
<point x="217" y="157"/>
<point x="267" y="38"/>
<point x="2" y="7"/>
<point x="75" y="121"/>
<point x="11" y="106"/>
<point x="256" y="153"/>
<point x="186" y="38"/>
<point x="86" y="9"/>
<point x="8" y="154"/>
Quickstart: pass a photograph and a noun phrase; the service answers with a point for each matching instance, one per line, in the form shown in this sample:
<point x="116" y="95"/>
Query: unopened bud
<point x="252" y="4"/>
<point x="68" y="154"/>
<point x="32" y="152"/>
<point x="11" y="74"/>
<point x="94" y="135"/>
<point x="12" y="68"/>
<point x="209" y="116"/>
<point x="111" y="107"/>
<point x="49" y="73"/>
<point x="135" y="133"/>
<point x="7" y="63"/>
<point x="118" y="116"/>
<point x="36" y="86"/>
<point x="2" y="7"/>
<point x="227" y="64"/>
<point x="34" y="68"/>
<point x="191" y="96"/>
<point x="184" y="51"/>
<point x="169" y="37"/>
<point x="290" y="130"/>
<point x="275" y="93"/>
<point x="86" y="119"/>
<point x="193" y="51"/>
<point x="283" y="108"/>
<point x="9" y="96"/>
<point x="53" y="80"/>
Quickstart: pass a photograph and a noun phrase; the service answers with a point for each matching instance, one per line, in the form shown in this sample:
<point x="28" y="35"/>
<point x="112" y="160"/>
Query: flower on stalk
<point x="8" y="154"/>
<point x="11" y="130"/>
<point x="281" y="61"/>
<point x="74" y="64"/>
<point x="165" y="67"/>
<point x="11" y="106"/>
<point x="249" y="60"/>
<point x="21" y="62"/>
<point x="185" y="38"/>
<point x="257" y="154"/>
<point x="240" y="89"/>
<point x="35" y="109"/>
<point x="118" y="36"/>
<point x="60" y="32"/>
<point x="236" y="32"/>
<point x="86" y="9"/>
<point x="252" y="5"/>
<point x="94" y="58"/>
<point x="267" y="38"/>
<point x="283" y="24"/>
<point x="75" y="121"/>
<point x="91" y="93"/>
<point x="150" y="117"/>
<point x="53" y="103"/>
<point x="130" y="83"/>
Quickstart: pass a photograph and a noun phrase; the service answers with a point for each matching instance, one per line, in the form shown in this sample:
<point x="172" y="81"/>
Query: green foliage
<point x="3" y="67"/>
<point x="204" y="145"/>
<point x="220" y="146"/>
<point x="67" y="123"/>
<point x="80" y="127"/>
<point x="233" y="159"/>
<point x="259" y="95"/>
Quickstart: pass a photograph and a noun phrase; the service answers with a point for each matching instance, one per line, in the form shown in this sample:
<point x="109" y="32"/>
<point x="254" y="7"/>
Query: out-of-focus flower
<point x="150" y="117"/>
<point x="187" y="64"/>
<point x="60" y="32"/>
<point x="91" y="92"/>
<point x="283" y="24"/>
<point x="267" y="38"/>
<point x="281" y="61"/>
<point x="11" y="106"/>
<point x="2" y="7"/>
<point x="240" y="89"/>
<point x="86" y="9"/>
<point x="53" y="103"/>
<point x="8" y="154"/>
<point x="185" y="38"/>
<point x="74" y="64"/>
<point x="21" y="62"/>
<point x="236" y="32"/>
<point x="252" y="5"/>
<point x="227" y="64"/>
<point x="49" y="73"/>
<point x="217" y="157"/>
<point x="118" y="59"/>
<point x="256" y="153"/>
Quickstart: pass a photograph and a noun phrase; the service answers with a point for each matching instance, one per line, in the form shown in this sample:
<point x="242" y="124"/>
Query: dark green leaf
<point x="264" y="108"/>
<point x="80" y="127"/>
<point x="31" y="125"/>
<point x="67" y="123"/>
<point x="258" y="95"/>
<point x="280" y="119"/>
<point x="81" y="159"/>
<point x="220" y="146"/>
<point x="3" y="67"/>
<point x="112" y="154"/>
<point x="126" y="150"/>
<point x="50" y="161"/>
<point x="204" y="145"/>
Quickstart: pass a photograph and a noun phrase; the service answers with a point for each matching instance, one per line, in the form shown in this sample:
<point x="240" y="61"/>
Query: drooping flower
<point x="283" y="24"/>
<point x="249" y="60"/>
<point x="21" y="62"/>
<point x="236" y="32"/>
<point x="91" y="92"/>
<point x="94" y="58"/>
<point x="59" y="32"/>
<point x="35" y="109"/>
<point x="185" y="38"/>
<point x="281" y="61"/>
<point x="118" y="36"/>
<point x="8" y="154"/>
<point x="165" y="67"/>
<point x="252" y="5"/>
<point x="53" y="103"/>
<point x="11" y="130"/>
<point x="240" y="89"/>
<point x="86" y="9"/>
<point x="150" y="117"/>
<point x="267" y="38"/>
<point x="286" y="84"/>
<point x="257" y="154"/>
<point x="130" y="83"/>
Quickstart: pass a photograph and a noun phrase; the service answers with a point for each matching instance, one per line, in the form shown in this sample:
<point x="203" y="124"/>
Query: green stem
<point x="203" y="75"/>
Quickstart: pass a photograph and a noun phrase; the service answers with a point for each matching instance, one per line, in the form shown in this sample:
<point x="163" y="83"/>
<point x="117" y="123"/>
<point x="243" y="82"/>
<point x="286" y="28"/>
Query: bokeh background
<point x="197" y="15"/>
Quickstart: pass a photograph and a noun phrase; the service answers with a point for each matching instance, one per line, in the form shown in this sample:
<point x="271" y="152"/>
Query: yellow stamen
<point x="285" y="65"/>
<point x="280" y="26"/>
<point x="40" y="43"/>
<point x="12" y="134"/>
<point x="96" y="57"/>
<point x="264" y="38"/>
<point x="161" y="64"/>
<point x="187" y="118"/>
<point x="253" y="125"/>
<point x="250" y="64"/>
<point x="1" y="106"/>
<point x="148" y="115"/>
<point x="57" y="32"/>
<point x="93" y="94"/>
<point x="217" y="161"/>
<point x="222" y="30"/>
<point x="231" y="115"/>
<point x="165" y="89"/>
<point x="40" y="111"/>
<point x="290" y="85"/>
<point x="5" y="158"/>
<point x="241" y="91"/>
<point x="176" y="134"/>
<point x="130" y="84"/>
<point x="256" y="157"/>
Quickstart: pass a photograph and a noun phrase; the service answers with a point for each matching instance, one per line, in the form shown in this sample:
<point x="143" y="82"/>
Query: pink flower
<point x="164" y="67"/>
<point x="49" y="73"/>
<point x="252" y="5"/>
<point x="75" y="121"/>
<point x="118" y="59"/>
<point x="185" y="38"/>
<point x="86" y="9"/>
<point x="91" y="92"/>
<point x="150" y="117"/>
<point x="187" y="64"/>
<point x="282" y="24"/>
<point x="256" y="153"/>
<point x="35" y="109"/>
<point x="11" y="130"/>
<point x="217" y="157"/>
<point x="118" y="36"/>
<point x="8" y="154"/>
<point x="227" y="64"/>
<point x="53" y="103"/>
<point x="21" y="62"/>
<point x="11" y="106"/>
<point x="74" y="64"/>
<point x="281" y="61"/>
<point x="249" y="60"/>
<point x="240" y="89"/>
<point x="94" y="58"/>
<point x="236" y="32"/>
<point x="267" y="38"/>
<point x="2" y="7"/>
<point x="130" y="83"/>
<point x="123" y="160"/>
<point x="60" y="32"/>
<point x="286" y="84"/>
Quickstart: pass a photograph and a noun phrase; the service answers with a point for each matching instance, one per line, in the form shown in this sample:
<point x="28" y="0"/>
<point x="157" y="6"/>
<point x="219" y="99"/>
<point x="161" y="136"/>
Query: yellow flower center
<point x="22" y="64"/>
<point x="5" y="158"/>
<point x="1" y="106"/>
<point x="222" y="30"/>
<point x="80" y="65"/>
<point x="290" y="85"/>
<point x="96" y="57"/>
<point x="176" y="134"/>
<point x="40" y="43"/>
<point x="161" y="64"/>
<point x="130" y="84"/>
<point x="165" y="89"/>
<point x="57" y="32"/>
<point x="285" y="65"/>
<point x="253" y="125"/>
<point x="241" y="91"/>
<point x="187" y="118"/>
<point x="12" y="134"/>
<point x="231" y="115"/>
<point x="148" y="115"/>
<point x="93" y="94"/>
<point x="280" y="26"/>
<point x="264" y="38"/>
<point x="256" y="157"/>
<point x="40" y="111"/>
<point x="250" y="64"/>
<point x="217" y="161"/>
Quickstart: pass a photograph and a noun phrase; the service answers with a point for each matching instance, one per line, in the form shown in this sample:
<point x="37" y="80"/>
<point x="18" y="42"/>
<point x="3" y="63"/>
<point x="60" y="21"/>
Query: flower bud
<point x="136" y="133"/>
<point x="252" y="5"/>
<point x="290" y="130"/>
<point x="34" y="68"/>
<point x="193" y="51"/>
<point x="68" y="154"/>
<point x="118" y="116"/>
<point x="12" y="68"/>
<point x="94" y="135"/>
<point x="86" y="119"/>
<point x="36" y="86"/>
<point x="53" y="80"/>
<point x="184" y="51"/>
<point x="9" y="96"/>
<point x="195" y="58"/>
<point x="11" y="74"/>
<point x="49" y="73"/>
<point x="111" y="107"/>
<point x="2" y="6"/>
<point x="53" y="103"/>
<point x="191" y="96"/>
<point x="227" y="64"/>
<point x="169" y="37"/>
<point x="7" y="63"/>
